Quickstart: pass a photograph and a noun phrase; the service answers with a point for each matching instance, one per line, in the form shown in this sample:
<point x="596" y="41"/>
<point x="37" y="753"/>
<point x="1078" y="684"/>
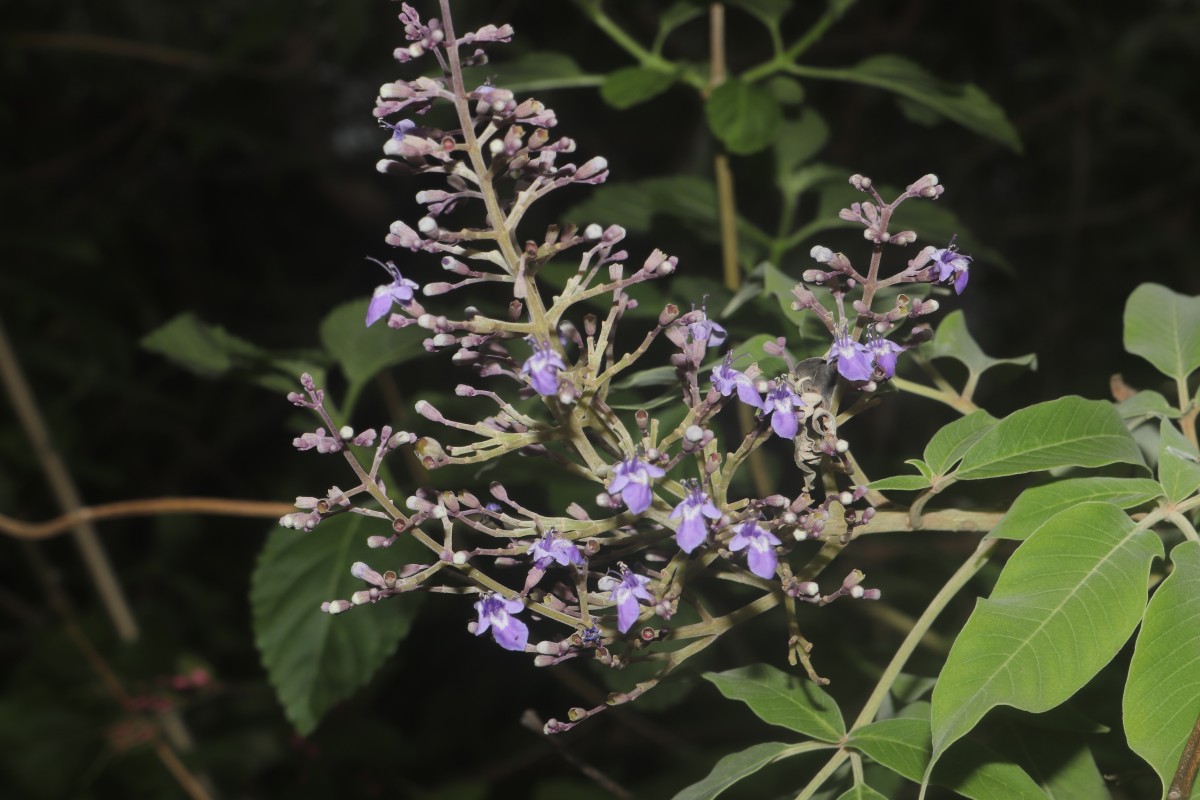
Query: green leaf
<point x="965" y="104"/>
<point x="971" y="769"/>
<point x="1163" y="327"/>
<point x="734" y="767"/>
<point x="745" y="116"/>
<point x="1060" y="764"/>
<point x="788" y="91"/>
<point x="633" y="205"/>
<point x="902" y="483"/>
<point x="211" y="351"/>
<point x="314" y="659"/>
<point x="1162" y="695"/>
<point x="1178" y="474"/>
<point x="769" y="11"/>
<point x="798" y="141"/>
<point x="200" y="347"/>
<point x="900" y="744"/>
<point x="782" y="699"/>
<point x="1068" y="432"/>
<point x="948" y="444"/>
<point x="675" y="15"/>
<point x="363" y="352"/>
<point x="532" y="72"/>
<point x="630" y="86"/>
<point x="861" y="792"/>
<point x="953" y="340"/>
<point x="1065" y="603"/>
<point x="1036" y="506"/>
<point x="1145" y="404"/>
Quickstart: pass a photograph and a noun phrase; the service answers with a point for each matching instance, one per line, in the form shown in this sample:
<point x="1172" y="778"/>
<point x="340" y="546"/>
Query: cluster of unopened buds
<point x="599" y="574"/>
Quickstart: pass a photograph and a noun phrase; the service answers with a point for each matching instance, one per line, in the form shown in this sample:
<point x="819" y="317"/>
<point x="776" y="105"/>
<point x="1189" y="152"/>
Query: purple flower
<point x="760" y="548"/>
<point x="691" y="511"/>
<point x="400" y="290"/>
<point x="553" y="548"/>
<point x="950" y="263"/>
<point x="726" y="380"/>
<point x="496" y="613"/>
<point x="884" y="352"/>
<point x="853" y="359"/>
<point x="707" y="331"/>
<point x="542" y="369"/>
<point x="781" y="404"/>
<point x="625" y="593"/>
<point x="632" y="479"/>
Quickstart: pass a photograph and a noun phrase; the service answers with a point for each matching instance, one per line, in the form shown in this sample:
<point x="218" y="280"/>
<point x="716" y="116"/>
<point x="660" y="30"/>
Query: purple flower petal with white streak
<point x="542" y="369"/>
<point x="552" y="548"/>
<point x="495" y="614"/>
<point x="781" y="404"/>
<point x="400" y="290"/>
<point x="625" y="593"/>
<point x="759" y="545"/>
<point x="726" y="380"/>
<point x="632" y="479"/>
<point x="884" y="352"/>
<point x="691" y="511"/>
<point x="853" y="359"/>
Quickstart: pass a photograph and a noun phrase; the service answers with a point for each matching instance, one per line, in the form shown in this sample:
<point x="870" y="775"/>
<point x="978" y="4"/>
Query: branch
<point x="217" y="506"/>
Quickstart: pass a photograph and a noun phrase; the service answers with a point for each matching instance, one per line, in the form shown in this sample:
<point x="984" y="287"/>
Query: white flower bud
<point x="821" y="254"/>
<point x="427" y="226"/>
<point x="346" y="432"/>
<point x="460" y="556"/>
<point x="593" y="232"/>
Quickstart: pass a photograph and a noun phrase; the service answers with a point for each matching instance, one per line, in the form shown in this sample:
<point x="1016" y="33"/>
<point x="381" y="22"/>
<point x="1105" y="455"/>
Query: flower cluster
<point x="669" y="513"/>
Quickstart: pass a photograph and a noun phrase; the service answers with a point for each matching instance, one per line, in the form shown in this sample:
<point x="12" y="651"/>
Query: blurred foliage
<point x="212" y="164"/>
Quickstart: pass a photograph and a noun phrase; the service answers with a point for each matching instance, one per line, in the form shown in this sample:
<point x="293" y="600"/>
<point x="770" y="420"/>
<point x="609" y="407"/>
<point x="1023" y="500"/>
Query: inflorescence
<point x="664" y="514"/>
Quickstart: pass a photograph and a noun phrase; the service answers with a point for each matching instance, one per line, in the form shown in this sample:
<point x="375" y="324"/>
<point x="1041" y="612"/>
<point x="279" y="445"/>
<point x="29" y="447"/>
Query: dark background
<point x="219" y="158"/>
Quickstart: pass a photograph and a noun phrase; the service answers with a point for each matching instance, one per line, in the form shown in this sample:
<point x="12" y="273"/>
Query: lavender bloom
<point x="709" y="332"/>
<point x="542" y="369"/>
<point x="496" y="613"/>
<point x="781" y="404"/>
<point x="726" y="379"/>
<point x="400" y="290"/>
<point x="884" y="352"/>
<point x="632" y="479"/>
<point x="553" y="548"/>
<point x="625" y="593"/>
<point x="853" y="359"/>
<point x="691" y="511"/>
<point x="950" y="263"/>
<point x="760" y="554"/>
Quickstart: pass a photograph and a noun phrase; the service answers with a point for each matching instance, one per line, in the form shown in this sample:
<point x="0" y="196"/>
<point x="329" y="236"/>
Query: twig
<point x="150" y="507"/>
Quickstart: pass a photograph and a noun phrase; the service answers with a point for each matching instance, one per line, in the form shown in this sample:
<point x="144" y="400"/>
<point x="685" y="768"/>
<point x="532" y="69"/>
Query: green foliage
<point x="312" y="659"/>
<point x="1178" y="467"/>
<point x="363" y="352"/>
<point x="950" y="443"/>
<point x="1068" y="432"/>
<point x="1162" y="697"/>
<point x="1038" y="505"/>
<point x="1067" y="600"/>
<point x="212" y="352"/>
<point x="782" y="699"/>
<point x="967" y="104"/>
<point x="745" y="116"/>
<point x="735" y="767"/>
<point x="631" y="86"/>
<point x="953" y="340"/>
<point x="1163" y="327"/>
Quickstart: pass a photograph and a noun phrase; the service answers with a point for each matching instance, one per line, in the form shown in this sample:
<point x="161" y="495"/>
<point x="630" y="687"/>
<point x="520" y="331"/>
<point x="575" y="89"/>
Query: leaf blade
<point x="1162" y="695"/>
<point x="1035" y="506"/>
<point x="1163" y="327"/>
<point x="782" y="699"/>
<point x="312" y="659"/>
<point x="1036" y="640"/>
<point x="1068" y="432"/>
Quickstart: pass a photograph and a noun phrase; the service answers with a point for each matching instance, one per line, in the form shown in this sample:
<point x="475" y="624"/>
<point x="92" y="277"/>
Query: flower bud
<point x="336" y="606"/>
<point x="820" y="254"/>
